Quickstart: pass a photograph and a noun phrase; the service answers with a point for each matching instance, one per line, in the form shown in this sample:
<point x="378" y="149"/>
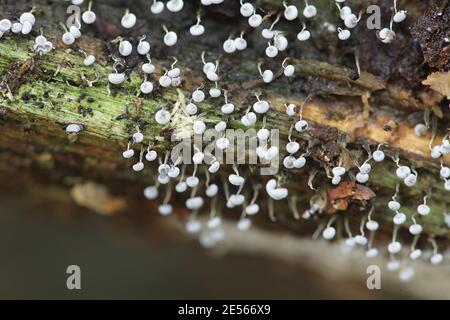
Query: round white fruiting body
<point x="181" y="187"/>
<point x="394" y="205"/>
<point x="116" y="78"/>
<point x="362" y="177"/>
<point x="198" y="95"/>
<point x="128" y="21"/>
<point x="143" y="48"/>
<point x="336" y="180"/>
<point x="288" y="162"/>
<point x="292" y="147"/>
<point x="300" y="162"/>
<point x="393" y="265"/>
<point x="26" y="27"/>
<point x="394" y="247"/>
<point x="406" y="274"/>
<point x="151" y="155"/>
<point x="252" y="209"/>
<point x="89" y="17"/>
<point x="67" y="38"/>
<point x="170" y="38"/>
<point x="435" y="152"/>
<point x="175" y="5"/>
<point x="261" y="106"/>
<point x="445" y="172"/>
<point x="244" y="224"/>
<point x="289" y="70"/>
<point x="271" y="51"/>
<point x="301" y="125"/>
<point x="329" y="233"/>
<point x="127" y="154"/>
<point x="415" y="254"/>
<point x="5" y="25"/>
<point x="378" y="156"/>
<point x="75" y="31"/>
<point x="162" y="117"/>
<point x="410" y="180"/>
<point x="309" y="11"/>
<point x="255" y="20"/>
<point x="146" y="87"/>
<point x="361" y="240"/>
<point x="338" y="171"/>
<point x="191" y="109"/>
<point x="400" y="16"/>
<point x="214" y="222"/>
<point x="148" y="68"/>
<point x="199" y="127"/>
<point x="138" y="137"/>
<point x="227" y="108"/>
<point x="247" y="9"/>
<point x="399" y="218"/>
<point x="151" y="192"/>
<point x="436" y="258"/>
<point x="423" y="209"/>
<point x="192" y="181"/>
<point x="240" y="43"/>
<point x="27" y="17"/>
<point x="344" y="34"/>
<point x="74" y="128"/>
<point x="125" y="48"/>
<point x="165" y="209"/>
<point x="197" y="30"/>
<point x="138" y="166"/>
<point x="281" y="42"/>
<point x="157" y="7"/>
<point x="214" y="167"/>
<point x="267" y="76"/>
<point x="89" y="60"/>
<point x="193" y="226"/>
<point x="212" y="190"/>
<point x="174" y="172"/>
<point x="229" y="46"/>
<point x="415" y="229"/>
<point x="291" y="13"/>
<point x="372" y="225"/>
<point x="174" y="72"/>
<point x="303" y="35"/>
<point x="236" y="180"/>
<point x="402" y="172"/>
<point x="165" y="81"/>
<point x="220" y="126"/>
<point x="372" y="252"/>
<point x="215" y="92"/>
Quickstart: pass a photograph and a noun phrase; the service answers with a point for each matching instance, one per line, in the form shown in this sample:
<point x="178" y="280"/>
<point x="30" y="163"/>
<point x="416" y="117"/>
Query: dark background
<point x="118" y="261"/>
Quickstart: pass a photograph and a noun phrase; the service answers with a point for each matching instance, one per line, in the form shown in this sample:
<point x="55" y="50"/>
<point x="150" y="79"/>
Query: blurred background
<point x="120" y="260"/>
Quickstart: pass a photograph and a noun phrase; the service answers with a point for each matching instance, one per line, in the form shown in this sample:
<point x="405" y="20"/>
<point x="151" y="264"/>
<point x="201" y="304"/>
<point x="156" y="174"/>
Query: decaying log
<point x="41" y="95"/>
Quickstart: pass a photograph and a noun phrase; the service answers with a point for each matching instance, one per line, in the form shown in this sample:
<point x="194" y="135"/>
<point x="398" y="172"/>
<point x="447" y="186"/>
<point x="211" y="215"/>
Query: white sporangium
<point x="128" y="20"/>
<point x="89" y="16"/>
<point x="170" y="38"/>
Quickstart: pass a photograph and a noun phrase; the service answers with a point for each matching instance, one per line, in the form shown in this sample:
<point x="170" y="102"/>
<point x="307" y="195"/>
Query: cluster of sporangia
<point x="24" y="25"/>
<point x="174" y="174"/>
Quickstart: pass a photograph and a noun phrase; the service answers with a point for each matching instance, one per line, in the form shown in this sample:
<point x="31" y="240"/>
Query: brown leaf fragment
<point x="97" y="198"/>
<point x="338" y="198"/>
<point x="440" y="82"/>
